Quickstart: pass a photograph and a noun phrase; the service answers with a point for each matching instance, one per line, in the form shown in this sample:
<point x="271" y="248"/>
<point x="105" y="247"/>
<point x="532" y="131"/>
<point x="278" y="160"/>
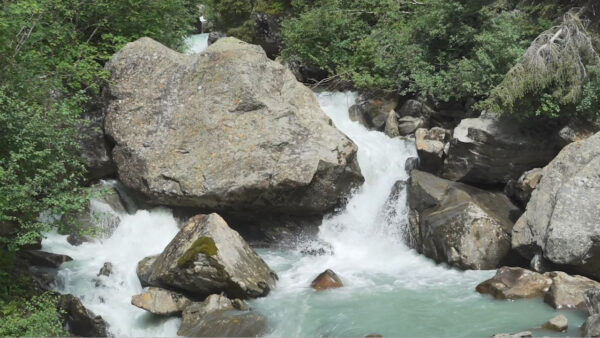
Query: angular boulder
<point x="79" y="320"/>
<point x="458" y="224"/>
<point x="208" y="257"/>
<point x="226" y="129"/>
<point x="391" y="125"/>
<point x="373" y="111"/>
<point x="407" y="125"/>
<point x="591" y="327"/>
<point x="568" y="292"/>
<point x="326" y="280"/>
<point x="489" y="150"/>
<point x="43" y="258"/>
<point x="219" y="316"/>
<point x="144" y="269"/>
<point x="430" y="148"/>
<point x="562" y="220"/>
<point x="515" y="283"/>
<point x="559" y="323"/>
<point x="161" y="302"/>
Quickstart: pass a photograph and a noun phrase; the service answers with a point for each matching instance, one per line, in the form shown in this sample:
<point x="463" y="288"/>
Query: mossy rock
<point x="204" y="245"/>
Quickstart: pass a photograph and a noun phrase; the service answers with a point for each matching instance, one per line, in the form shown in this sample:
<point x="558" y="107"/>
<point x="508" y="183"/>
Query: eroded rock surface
<point x="227" y="129"/>
<point x="515" y="283"/>
<point x="161" y="302"/>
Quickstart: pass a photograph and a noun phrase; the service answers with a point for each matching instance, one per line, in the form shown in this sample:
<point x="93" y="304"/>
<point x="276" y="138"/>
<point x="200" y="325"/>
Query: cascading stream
<point x="389" y="289"/>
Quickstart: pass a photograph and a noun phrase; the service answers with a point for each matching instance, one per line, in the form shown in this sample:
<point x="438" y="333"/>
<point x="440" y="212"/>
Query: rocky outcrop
<point x="372" y="112"/>
<point x="326" y="280"/>
<point x="431" y="146"/>
<point x="515" y="283"/>
<point x="559" y="323"/>
<point x="267" y="33"/>
<point x="44" y="259"/>
<point x="208" y="257"/>
<point x="227" y="129"/>
<point x="144" y="269"/>
<point x="591" y="327"/>
<point x="391" y="125"/>
<point x="218" y="316"/>
<point x="80" y="321"/>
<point x="489" y="150"/>
<point x="577" y="131"/>
<point x="562" y="220"/>
<point x="520" y="190"/>
<point x="568" y="292"/>
<point x="455" y="223"/>
<point x="94" y="148"/>
<point x="161" y="302"/>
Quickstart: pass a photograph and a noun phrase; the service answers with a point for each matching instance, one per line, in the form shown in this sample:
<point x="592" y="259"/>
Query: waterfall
<point x="388" y="288"/>
<point x="196" y="43"/>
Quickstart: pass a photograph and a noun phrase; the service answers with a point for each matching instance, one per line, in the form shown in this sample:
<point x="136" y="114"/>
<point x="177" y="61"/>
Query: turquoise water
<point x="434" y="301"/>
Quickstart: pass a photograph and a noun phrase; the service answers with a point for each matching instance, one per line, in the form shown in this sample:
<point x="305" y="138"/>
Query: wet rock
<point x="94" y="148"/>
<point x="524" y="334"/>
<point x="144" y="270"/>
<point x="81" y="321"/>
<point x="568" y="292"/>
<point x="416" y="108"/>
<point x="391" y="125"/>
<point x="562" y="220"/>
<point x="430" y="147"/>
<point x="515" y="283"/>
<point x="161" y="302"/>
<point x="591" y="327"/>
<point x="224" y="130"/>
<point x="373" y="112"/>
<point x="77" y="240"/>
<point x="520" y="190"/>
<point x="407" y="125"/>
<point x="539" y="264"/>
<point x="207" y="257"/>
<point x="592" y="301"/>
<point x="42" y="258"/>
<point x="489" y="150"/>
<point x="217" y="317"/>
<point x="326" y="280"/>
<point x="228" y="324"/>
<point x="214" y="36"/>
<point x="559" y="323"/>
<point x="458" y="224"/>
<point x="105" y="270"/>
<point x="267" y="33"/>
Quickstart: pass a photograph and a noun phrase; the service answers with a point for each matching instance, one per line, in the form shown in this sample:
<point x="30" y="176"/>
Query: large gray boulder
<point x="489" y="150"/>
<point x="226" y="129"/>
<point x="568" y="292"/>
<point x="458" y="224"/>
<point x="208" y="257"/>
<point x="562" y="220"/>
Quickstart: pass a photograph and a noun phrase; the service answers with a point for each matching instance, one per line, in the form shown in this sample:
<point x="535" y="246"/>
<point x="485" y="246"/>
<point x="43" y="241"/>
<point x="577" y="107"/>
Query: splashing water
<point x="196" y="43"/>
<point x="389" y="289"/>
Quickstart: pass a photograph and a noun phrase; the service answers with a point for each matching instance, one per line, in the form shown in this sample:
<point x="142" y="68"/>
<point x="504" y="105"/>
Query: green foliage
<point x="589" y="106"/>
<point x="449" y="50"/>
<point x="234" y="17"/>
<point x="52" y="54"/>
<point x="550" y="77"/>
<point x="34" y="317"/>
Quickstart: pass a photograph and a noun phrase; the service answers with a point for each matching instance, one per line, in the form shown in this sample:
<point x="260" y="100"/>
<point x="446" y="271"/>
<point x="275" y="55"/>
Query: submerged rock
<point x="562" y="220"/>
<point x="227" y="129"/>
<point x="105" y="270"/>
<point x="515" y="283"/>
<point x="568" y="292"/>
<point x="79" y="320"/>
<point x="524" y="334"/>
<point x="161" y="302"/>
<point x="208" y="257"/>
<point x="489" y="150"/>
<point x="326" y="280"/>
<point x="217" y="317"/>
<point x="455" y="223"/>
<point x="559" y="323"/>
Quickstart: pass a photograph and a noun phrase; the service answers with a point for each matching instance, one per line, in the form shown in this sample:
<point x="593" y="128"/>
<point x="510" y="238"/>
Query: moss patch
<point x="205" y="245"/>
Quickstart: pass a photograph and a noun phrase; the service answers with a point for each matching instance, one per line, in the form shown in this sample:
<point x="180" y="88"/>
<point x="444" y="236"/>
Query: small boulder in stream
<point x="559" y="323"/>
<point x="568" y="292"/>
<point x="79" y="320"/>
<point x="207" y="257"/>
<point x="326" y="280"/>
<point x="161" y="302"/>
<point x="45" y="259"/>
<point x="515" y="283"/>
